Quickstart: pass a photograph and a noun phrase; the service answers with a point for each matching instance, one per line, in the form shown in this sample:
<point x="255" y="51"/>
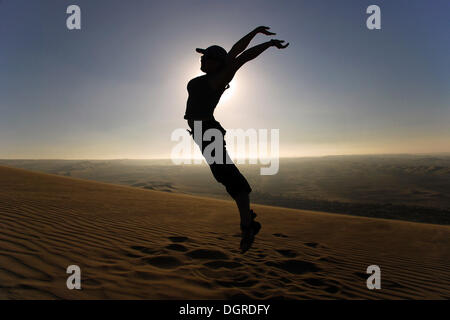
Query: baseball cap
<point x="214" y="52"/>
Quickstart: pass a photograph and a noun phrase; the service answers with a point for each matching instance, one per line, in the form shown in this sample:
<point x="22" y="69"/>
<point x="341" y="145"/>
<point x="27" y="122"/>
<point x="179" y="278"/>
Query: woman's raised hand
<point x="264" y="30"/>
<point x="278" y="43"/>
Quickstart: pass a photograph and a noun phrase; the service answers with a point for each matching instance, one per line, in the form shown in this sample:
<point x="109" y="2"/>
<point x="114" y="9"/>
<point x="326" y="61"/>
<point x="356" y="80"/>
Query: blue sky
<point x="117" y="87"/>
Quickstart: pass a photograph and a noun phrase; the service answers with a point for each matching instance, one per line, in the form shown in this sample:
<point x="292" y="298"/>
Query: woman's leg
<point x="239" y="189"/>
<point x="236" y="186"/>
<point x="243" y="203"/>
<point x="235" y="183"/>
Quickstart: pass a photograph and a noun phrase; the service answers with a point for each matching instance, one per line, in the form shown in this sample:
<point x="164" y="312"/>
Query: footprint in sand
<point x="177" y="247"/>
<point x="287" y="253"/>
<point x="146" y="275"/>
<point x="143" y="250"/>
<point x="273" y="273"/>
<point x="163" y="262"/>
<point x="207" y="254"/>
<point x="329" y="286"/>
<point x="294" y="266"/>
<point x="280" y="235"/>
<point x="361" y="275"/>
<point x="223" y="264"/>
<point x="178" y="239"/>
<point x="311" y="244"/>
<point x="285" y="280"/>
<point x="243" y="282"/>
<point x="329" y="259"/>
<point x="132" y="255"/>
<point x="392" y="284"/>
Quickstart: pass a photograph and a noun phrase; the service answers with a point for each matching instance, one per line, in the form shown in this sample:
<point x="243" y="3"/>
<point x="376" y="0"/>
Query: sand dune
<point x="135" y="243"/>
<point x="402" y="187"/>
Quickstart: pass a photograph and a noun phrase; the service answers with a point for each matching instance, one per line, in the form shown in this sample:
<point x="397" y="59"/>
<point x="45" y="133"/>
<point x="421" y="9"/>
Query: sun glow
<point x="229" y="97"/>
<point x="230" y="92"/>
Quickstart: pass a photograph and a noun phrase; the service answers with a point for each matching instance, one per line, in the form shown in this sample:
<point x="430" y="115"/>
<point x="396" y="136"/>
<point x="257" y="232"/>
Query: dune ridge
<point x="143" y="244"/>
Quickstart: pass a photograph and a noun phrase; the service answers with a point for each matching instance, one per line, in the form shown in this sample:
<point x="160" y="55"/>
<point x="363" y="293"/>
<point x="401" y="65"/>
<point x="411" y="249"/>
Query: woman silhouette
<point x="204" y="94"/>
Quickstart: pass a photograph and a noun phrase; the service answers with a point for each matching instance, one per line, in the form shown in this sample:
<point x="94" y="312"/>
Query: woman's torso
<point x="202" y="99"/>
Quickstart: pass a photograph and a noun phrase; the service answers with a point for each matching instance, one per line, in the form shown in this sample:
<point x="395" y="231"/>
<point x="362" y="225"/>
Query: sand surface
<point x="135" y="243"/>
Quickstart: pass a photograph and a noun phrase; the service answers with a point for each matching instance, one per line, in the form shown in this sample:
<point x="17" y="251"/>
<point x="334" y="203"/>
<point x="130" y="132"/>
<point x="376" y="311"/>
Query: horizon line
<point x="246" y="158"/>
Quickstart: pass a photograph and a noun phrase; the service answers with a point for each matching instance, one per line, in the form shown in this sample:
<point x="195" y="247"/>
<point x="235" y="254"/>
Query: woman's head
<point x="209" y="65"/>
<point x="213" y="58"/>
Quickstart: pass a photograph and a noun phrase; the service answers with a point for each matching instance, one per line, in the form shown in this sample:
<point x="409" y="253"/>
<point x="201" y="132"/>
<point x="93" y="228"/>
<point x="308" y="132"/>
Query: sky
<point x="117" y="87"/>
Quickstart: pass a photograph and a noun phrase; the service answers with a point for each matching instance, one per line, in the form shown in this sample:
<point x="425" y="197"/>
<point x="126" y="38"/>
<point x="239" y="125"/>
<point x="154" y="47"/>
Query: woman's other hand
<point x="264" y="30"/>
<point x="279" y="43"/>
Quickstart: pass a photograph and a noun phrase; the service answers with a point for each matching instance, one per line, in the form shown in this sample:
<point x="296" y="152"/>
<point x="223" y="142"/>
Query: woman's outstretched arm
<point x="242" y="44"/>
<point x="255" y="51"/>
<point x="219" y="80"/>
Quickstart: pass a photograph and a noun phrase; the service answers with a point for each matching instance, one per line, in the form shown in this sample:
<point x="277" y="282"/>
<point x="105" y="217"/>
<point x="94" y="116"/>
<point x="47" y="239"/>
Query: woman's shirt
<point x="202" y="99"/>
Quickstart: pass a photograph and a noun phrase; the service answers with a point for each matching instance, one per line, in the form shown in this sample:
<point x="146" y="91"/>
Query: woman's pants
<point x="223" y="171"/>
